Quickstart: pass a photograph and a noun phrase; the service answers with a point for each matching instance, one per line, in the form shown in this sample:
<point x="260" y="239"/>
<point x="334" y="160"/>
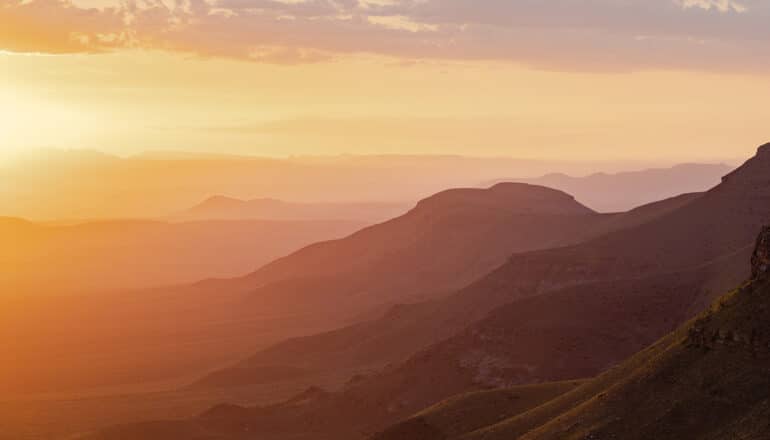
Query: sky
<point x="678" y="80"/>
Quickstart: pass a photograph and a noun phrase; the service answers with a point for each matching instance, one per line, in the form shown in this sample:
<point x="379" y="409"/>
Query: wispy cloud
<point x="719" y="5"/>
<point x="564" y="34"/>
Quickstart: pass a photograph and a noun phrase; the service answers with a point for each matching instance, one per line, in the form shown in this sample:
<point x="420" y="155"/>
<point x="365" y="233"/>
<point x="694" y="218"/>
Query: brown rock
<point x="760" y="261"/>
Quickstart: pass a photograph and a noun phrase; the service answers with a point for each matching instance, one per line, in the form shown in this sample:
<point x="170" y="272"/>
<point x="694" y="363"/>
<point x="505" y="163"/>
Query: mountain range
<point x="707" y="379"/>
<point x="618" y="192"/>
<point x="74" y="184"/>
<point x="561" y="313"/>
<point x="229" y="208"/>
<point x="444" y="243"/>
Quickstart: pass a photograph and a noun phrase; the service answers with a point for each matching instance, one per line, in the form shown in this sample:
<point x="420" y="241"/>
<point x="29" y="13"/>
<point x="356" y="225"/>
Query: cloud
<point x="720" y="5"/>
<point x="559" y="34"/>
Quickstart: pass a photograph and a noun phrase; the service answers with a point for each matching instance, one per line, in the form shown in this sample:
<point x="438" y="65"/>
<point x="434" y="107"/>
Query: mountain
<point x="469" y="412"/>
<point x="626" y="190"/>
<point x="706" y="380"/>
<point x="445" y="242"/>
<point x="553" y="314"/>
<point x="45" y="259"/>
<point x="573" y="312"/>
<point x="400" y="332"/>
<point x="57" y="184"/>
<point x="228" y="208"/>
<point x="407" y="329"/>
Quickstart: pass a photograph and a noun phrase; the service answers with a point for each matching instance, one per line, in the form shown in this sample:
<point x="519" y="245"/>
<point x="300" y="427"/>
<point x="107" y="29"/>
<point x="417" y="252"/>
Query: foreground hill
<point x="623" y="191"/>
<point x="706" y="380"/>
<point x="229" y="208"/>
<point x="472" y="411"/>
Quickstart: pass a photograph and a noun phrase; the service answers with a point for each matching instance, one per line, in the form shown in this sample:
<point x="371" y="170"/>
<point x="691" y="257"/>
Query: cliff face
<point x="760" y="261"/>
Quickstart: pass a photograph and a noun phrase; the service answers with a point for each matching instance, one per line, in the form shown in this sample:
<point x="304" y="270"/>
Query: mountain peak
<point x="755" y="169"/>
<point x="763" y="149"/>
<point x="514" y="197"/>
<point x="760" y="261"/>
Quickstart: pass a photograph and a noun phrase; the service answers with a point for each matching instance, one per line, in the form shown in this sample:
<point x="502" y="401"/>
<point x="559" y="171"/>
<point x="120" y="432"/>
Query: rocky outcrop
<point x="751" y="333"/>
<point x="760" y="261"/>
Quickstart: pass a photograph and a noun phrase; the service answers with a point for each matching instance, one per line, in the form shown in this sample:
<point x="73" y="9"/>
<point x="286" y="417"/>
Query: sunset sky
<point x="571" y="79"/>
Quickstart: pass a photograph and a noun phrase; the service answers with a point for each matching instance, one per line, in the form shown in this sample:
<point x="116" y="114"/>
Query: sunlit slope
<point x="468" y="412"/>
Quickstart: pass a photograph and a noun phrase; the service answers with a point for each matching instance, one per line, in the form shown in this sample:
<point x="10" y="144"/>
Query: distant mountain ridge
<point x="131" y="254"/>
<point x="439" y="246"/>
<point x="627" y="190"/>
<point x="73" y="184"/>
<point x="230" y="208"/>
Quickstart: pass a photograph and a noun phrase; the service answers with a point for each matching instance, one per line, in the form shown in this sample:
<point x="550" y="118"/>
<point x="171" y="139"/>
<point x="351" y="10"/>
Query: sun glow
<point x="28" y="121"/>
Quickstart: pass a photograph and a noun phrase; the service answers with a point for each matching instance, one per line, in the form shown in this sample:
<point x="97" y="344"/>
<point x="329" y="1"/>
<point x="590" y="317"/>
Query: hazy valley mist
<point x="384" y="220"/>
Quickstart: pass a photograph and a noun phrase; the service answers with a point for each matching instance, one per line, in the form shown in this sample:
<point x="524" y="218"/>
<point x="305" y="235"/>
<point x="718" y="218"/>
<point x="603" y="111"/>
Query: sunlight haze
<point x="384" y="219"/>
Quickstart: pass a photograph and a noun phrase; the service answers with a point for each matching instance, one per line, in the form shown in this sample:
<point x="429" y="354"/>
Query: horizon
<point x="41" y="154"/>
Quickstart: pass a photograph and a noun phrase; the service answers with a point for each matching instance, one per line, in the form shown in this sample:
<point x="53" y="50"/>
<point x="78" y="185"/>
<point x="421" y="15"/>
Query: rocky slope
<point x="706" y="380"/>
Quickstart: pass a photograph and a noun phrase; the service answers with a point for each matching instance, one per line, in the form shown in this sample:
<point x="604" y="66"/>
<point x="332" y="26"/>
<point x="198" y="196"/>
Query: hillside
<point x="706" y="380"/>
<point x="330" y="284"/>
<point x="623" y="191"/>
<point x="229" y="208"/>
<point x="444" y="243"/>
<point x="639" y="251"/>
<point x="472" y="411"/>
<point x="549" y="331"/>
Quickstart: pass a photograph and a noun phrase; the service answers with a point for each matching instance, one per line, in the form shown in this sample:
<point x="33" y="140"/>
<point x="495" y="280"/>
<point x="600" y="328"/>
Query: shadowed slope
<point x="444" y="243"/>
<point x="706" y="380"/>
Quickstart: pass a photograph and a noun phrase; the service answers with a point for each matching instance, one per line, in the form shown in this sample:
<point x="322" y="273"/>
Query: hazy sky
<point x="617" y="79"/>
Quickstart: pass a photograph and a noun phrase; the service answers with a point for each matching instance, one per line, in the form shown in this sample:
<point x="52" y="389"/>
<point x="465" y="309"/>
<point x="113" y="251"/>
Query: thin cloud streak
<point x="587" y="35"/>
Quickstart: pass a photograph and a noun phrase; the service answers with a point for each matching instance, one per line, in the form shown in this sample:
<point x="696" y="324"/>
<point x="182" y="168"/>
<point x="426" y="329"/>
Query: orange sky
<point x="491" y="77"/>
